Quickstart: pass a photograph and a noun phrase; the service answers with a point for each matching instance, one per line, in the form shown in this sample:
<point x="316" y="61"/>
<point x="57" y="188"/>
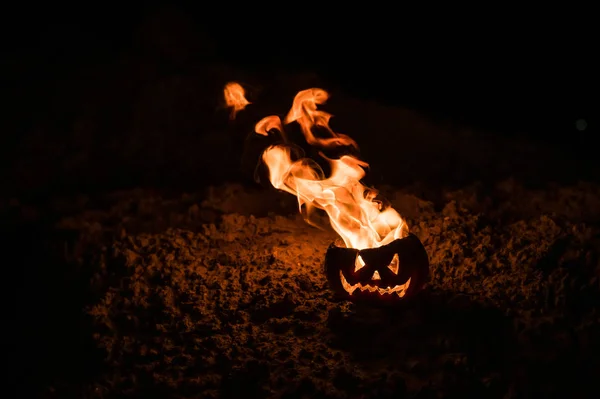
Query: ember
<point x="354" y="211"/>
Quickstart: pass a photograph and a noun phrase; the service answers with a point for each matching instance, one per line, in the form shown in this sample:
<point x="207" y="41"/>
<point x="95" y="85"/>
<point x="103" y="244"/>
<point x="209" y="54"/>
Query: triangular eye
<point x="394" y="264"/>
<point x="359" y="263"/>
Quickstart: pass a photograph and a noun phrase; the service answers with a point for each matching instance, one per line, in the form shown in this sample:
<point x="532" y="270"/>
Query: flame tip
<point x="235" y="98"/>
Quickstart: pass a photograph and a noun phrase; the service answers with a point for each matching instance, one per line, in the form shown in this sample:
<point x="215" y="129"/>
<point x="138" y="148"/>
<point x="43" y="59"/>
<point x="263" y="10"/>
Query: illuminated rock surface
<point x="201" y="298"/>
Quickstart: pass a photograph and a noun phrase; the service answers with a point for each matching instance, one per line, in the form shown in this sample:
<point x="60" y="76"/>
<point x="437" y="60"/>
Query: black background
<point x="505" y="69"/>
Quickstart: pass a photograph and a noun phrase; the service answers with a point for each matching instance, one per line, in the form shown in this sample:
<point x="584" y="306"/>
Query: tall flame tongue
<point x="353" y="211"/>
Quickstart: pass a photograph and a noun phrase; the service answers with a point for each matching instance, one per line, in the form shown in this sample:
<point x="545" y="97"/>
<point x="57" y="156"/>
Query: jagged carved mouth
<point x="399" y="290"/>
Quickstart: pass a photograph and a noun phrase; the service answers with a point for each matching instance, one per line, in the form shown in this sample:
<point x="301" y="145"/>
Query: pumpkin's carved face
<point x="393" y="271"/>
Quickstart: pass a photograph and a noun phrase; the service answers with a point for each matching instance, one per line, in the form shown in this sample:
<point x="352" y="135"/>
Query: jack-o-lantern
<point x="395" y="271"/>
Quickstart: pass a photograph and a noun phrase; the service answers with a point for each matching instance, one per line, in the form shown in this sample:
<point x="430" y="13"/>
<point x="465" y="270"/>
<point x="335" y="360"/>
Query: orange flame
<point x="353" y="211"/>
<point x="235" y="98"/>
<point x="305" y="112"/>
<point x="267" y="124"/>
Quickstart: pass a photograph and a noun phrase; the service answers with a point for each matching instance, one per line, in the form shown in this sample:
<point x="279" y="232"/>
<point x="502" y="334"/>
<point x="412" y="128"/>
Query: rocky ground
<point x="221" y="293"/>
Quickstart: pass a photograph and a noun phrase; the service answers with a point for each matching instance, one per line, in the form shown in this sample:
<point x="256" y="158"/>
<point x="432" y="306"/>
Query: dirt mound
<point x="222" y="294"/>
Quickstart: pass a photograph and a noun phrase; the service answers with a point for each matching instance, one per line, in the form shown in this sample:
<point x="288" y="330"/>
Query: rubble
<point x="204" y="295"/>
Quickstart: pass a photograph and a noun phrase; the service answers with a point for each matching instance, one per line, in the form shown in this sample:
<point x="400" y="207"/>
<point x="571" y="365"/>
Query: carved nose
<point x="376" y="276"/>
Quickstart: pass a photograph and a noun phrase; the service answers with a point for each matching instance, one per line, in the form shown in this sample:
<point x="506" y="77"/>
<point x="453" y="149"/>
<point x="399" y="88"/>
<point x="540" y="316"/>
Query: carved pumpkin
<point x="391" y="272"/>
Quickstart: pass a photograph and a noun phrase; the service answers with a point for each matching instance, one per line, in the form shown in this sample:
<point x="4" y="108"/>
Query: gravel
<point x="221" y="294"/>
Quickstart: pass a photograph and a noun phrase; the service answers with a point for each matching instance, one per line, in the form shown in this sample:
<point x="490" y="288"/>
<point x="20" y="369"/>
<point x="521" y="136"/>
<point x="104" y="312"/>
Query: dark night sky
<point x="534" y="75"/>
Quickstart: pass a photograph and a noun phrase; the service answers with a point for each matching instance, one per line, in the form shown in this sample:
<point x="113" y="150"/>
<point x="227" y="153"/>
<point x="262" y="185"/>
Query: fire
<point x="268" y="124"/>
<point x="305" y="112"/>
<point x="235" y="98"/>
<point x="353" y="210"/>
